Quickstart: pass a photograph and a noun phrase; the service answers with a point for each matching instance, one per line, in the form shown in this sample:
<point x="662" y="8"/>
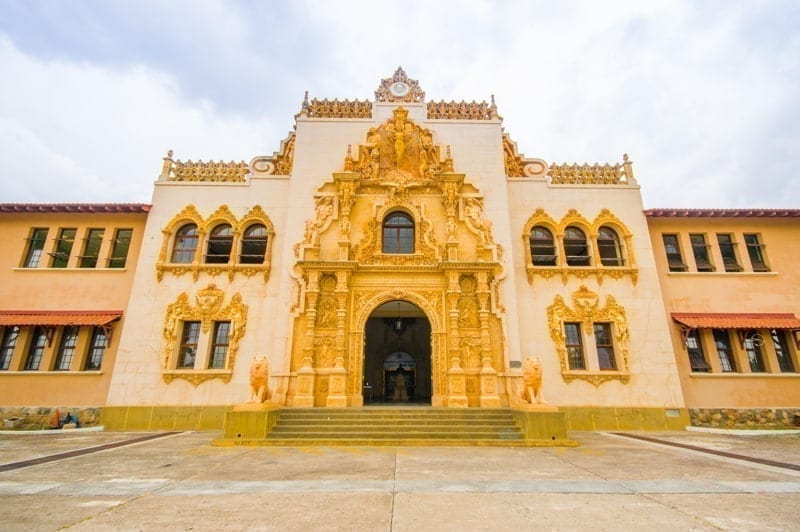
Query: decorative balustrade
<point x="592" y="174"/>
<point x="442" y="110"/>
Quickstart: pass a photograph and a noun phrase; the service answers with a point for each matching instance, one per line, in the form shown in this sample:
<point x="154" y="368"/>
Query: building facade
<point x="399" y="240"/>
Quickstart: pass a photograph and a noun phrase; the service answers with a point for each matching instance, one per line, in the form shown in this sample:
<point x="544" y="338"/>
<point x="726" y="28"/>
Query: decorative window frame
<point x="586" y="311"/>
<point x="591" y="229"/>
<point x="204" y="226"/>
<point x="207" y="310"/>
<point x="426" y="250"/>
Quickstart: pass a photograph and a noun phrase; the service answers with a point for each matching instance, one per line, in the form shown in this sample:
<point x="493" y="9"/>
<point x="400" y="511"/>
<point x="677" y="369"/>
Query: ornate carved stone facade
<point x="391" y="239"/>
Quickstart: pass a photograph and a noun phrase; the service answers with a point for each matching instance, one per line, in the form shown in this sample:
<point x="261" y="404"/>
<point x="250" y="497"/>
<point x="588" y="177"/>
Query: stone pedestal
<point x="337" y="381"/>
<point x="489" y="395"/>
<point x="456" y="386"/>
<point x="305" y="387"/>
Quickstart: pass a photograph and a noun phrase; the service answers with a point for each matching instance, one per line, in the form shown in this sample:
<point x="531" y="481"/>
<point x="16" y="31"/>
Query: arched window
<point x="576" y="247"/>
<point x="254" y="245"/>
<point x="543" y="247"/>
<point x="185" y="244"/>
<point x="398" y="233"/>
<point x="220" y="241"/>
<point x="609" y="247"/>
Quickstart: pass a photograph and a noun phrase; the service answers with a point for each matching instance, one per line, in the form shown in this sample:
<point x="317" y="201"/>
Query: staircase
<point x="396" y="426"/>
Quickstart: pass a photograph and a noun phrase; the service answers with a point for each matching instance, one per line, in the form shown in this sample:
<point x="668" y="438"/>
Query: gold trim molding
<point x="592" y="229"/>
<point x="586" y="310"/>
<point x="223" y="214"/>
<point x="207" y="309"/>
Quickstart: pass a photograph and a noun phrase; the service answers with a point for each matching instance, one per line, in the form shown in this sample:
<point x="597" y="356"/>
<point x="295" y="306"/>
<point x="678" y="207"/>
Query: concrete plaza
<point x="609" y="482"/>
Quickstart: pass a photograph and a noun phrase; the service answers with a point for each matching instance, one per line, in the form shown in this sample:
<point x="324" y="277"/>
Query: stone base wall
<point x="752" y="418"/>
<point x="41" y="418"/>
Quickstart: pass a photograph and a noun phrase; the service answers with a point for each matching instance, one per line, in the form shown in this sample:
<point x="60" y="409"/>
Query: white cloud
<point x="703" y="97"/>
<point x="76" y="132"/>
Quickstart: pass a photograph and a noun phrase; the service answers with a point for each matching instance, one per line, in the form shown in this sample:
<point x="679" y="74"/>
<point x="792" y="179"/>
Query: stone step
<point x="383" y="423"/>
<point x="423" y="434"/>
<point x="371" y="429"/>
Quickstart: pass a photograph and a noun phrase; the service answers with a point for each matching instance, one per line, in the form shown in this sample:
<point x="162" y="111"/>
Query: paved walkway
<point x="610" y="482"/>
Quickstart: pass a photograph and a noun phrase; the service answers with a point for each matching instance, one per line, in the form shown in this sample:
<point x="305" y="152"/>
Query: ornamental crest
<point x="399" y="88"/>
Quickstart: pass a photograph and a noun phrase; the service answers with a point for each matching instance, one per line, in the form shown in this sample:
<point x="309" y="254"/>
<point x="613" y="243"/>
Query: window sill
<point x="582" y="272"/>
<point x="71" y="270"/>
<point x="732" y="375"/>
<point x="723" y="274"/>
<point x="197" y="376"/>
<point x="596" y="377"/>
<point x="248" y="270"/>
<point x="63" y="373"/>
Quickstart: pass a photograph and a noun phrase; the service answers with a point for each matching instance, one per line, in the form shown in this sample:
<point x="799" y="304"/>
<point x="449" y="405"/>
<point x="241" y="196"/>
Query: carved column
<point x="453" y="292"/>
<point x="341" y="292"/>
<point x="488" y="377"/>
<point x="306" y="374"/>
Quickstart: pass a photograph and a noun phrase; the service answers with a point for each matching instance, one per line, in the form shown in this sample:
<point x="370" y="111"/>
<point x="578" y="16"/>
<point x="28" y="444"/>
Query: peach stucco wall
<point x="70" y="288"/>
<point x="776" y="291"/>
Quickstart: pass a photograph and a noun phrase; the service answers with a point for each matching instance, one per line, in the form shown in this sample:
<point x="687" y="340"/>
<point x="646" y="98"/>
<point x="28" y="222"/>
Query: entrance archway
<point x="397" y="355"/>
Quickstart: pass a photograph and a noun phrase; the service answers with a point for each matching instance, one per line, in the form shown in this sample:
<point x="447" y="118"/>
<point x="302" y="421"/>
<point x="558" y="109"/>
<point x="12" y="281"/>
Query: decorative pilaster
<point x="337" y="382"/>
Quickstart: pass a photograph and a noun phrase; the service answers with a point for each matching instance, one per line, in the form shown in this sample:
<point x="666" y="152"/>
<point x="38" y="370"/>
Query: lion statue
<point x="532" y="377"/>
<point x="259" y="377"/>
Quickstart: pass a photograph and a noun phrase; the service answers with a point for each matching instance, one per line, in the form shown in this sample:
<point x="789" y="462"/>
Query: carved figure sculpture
<point x="532" y="378"/>
<point x="259" y="378"/>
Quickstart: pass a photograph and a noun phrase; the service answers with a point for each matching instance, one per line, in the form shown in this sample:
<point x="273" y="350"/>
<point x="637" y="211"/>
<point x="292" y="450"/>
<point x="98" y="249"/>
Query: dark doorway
<point x="397" y="355"/>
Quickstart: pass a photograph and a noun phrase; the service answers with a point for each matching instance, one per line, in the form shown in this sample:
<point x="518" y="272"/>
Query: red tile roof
<point x="752" y="320"/>
<point x="75" y="207"/>
<point x="58" y="317"/>
<point x="722" y="213"/>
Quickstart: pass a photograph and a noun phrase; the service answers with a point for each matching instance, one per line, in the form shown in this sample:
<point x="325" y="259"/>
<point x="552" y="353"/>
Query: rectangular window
<point x="91" y="248"/>
<point x="752" y="346"/>
<point x="36" y="349"/>
<point x="701" y="255"/>
<point x="755" y="249"/>
<point x="66" y="349"/>
<point x="188" y="349"/>
<point x="219" y="346"/>
<point x="782" y="351"/>
<point x="35" y="247"/>
<point x="60" y="257"/>
<point x="119" y="248"/>
<point x="695" y="350"/>
<point x="673" y="249"/>
<point x="97" y="349"/>
<point x="574" y="346"/>
<point x="605" y="346"/>
<point x="10" y="337"/>
<point x="724" y="350"/>
<point x="727" y="248"/>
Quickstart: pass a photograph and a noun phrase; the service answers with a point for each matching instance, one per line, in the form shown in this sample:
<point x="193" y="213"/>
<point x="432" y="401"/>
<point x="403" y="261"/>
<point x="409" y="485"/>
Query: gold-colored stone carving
<point x="426" y="250"/>
<point x="398" y="151"/>
<point x="532" y="378"/>
<point x="259" y="380"/>
<point x="409" y="90"/>
<point x="336" y="108"/>
<point x="586" y="310"/>
<point x="323" y="215"/>
<point x="279" y="163"/>
<point x="594" y="174"/>
<point x="518" y="166"/>
<point x="222" y="215"/>
<point x="207" y="309"/>
<point x="173" y="170"/>
<point x="596" y="269"/>
<point x="442" y="110"/>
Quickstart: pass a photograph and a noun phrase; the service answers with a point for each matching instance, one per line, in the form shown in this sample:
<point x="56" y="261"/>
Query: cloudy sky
<point x="703" y="95"/>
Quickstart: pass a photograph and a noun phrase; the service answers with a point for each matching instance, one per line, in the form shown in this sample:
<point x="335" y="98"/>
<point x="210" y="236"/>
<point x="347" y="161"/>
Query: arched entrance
<point x="397" y="355"/>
